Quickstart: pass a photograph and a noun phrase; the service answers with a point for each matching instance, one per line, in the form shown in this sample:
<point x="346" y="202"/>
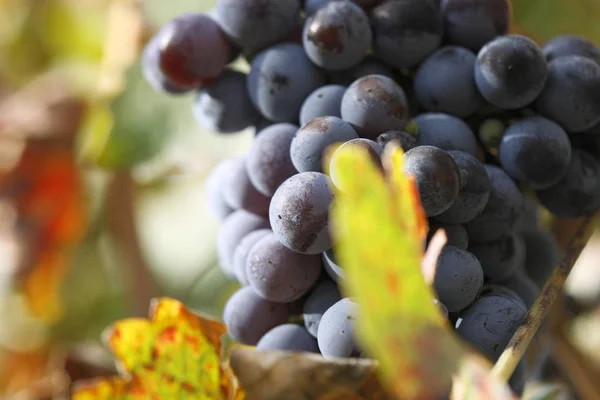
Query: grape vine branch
<point x="506" y="364"/>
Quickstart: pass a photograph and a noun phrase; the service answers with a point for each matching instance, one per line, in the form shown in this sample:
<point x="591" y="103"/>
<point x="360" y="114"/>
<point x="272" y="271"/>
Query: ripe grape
<point x="268" y="161"/>
<point x="299" y="212"/>
<point x="325" y="101"/>
<point x="337" y="36"/>
<point x="280" y="79"/>
<point x="445" y="82"/>
<point x="288" y="337"/>
<point x="279" y="274"/>
<point x="152" y="73"/>
<point x="215" y="198"/>
<point x="474" y="192"/>
<point x="241" y="253"/>
<point x="248" y="316"/>
<point x="510" y="71"/>
<point x="336" y="330"/>
<point x="446" y="132"/>
<point x="437" y="176"/>
<point x="313" y="138"/>
<point x="323" y="296"/>
<point x="535" y="151"/>
<point x="405" y="140"/>
<point x="375" y="104"/>
<point x="499" y="259"/>
<point x="458" y="278"/>
<point x="491" y="289"/>
<point x="571" y="45"/>
<point x="406" y="31"/>
<point x="239" y="191"/>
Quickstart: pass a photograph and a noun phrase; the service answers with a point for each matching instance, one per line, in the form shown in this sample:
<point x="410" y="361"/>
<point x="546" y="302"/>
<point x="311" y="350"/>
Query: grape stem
<point x="506" y="364"/>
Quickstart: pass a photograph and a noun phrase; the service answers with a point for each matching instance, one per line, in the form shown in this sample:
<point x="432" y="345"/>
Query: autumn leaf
<point x="174" y="354"/>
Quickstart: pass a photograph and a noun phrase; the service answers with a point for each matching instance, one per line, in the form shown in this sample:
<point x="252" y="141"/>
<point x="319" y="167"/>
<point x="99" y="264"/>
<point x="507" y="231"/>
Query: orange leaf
<point x="174" y="354"/>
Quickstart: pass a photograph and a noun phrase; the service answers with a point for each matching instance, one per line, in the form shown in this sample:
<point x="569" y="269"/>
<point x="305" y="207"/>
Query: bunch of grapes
<point x="482" y="116"/>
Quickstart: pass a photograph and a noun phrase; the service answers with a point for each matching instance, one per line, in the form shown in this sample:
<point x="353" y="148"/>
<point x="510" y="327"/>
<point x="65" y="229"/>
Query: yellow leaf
<point x="174" y="354"/>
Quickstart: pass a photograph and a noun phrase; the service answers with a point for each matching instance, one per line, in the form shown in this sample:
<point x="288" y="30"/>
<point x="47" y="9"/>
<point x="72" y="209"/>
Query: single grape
<point x="369" y="66"/>
<point x="257" y="24"/>
<point x="323" y="296"/>
<point x="501" y="290"/>
<point x="456" y="234"/>
<point x="299" y="212"/>
<point x="193" y="50"/>
<point x="280" y="79"/>
<point x="437" y="176"/>
<point x="541" y="252"/>
<point x="239" y="224"/>
<point x="152" y="73"/>
<point x="239" y="191"/>
<point x="241" y="253"/>
<point x="288" y="337"/>
<point x="268" y="162"/>
<point x="511" y="71"/>
<point x="536" y="152"/>
<point x="332" y="268"/>
<point x="336" y="330"/>
<point x="490" y="322"/>
<point x="406" y="31"/>
<point x="224" y="106"/>
<point x="499" y="259"/>
<point x="213" y="187"/>
<point x="571" y="96"/>
<point x="530" y="218"/>
<point x="473" y="23"/>
<point x="279" y="274"/>
<point x="571" y="45"/>
<point x="375" y="104"/>
<point x="248" y="316"/>
<point x="445" y="82"/>
<point x="337" y="36"/>
<point x="325" y="101"/>
<point x="446" y="132"/>
<point x="374" y="150"/>
<point x="458" y="278"/>
<point x="526" y="288"/>
<point x="405" y="140"/>
<point x="312" y="139"/>
<point x="474" y="192"/>
<point x="578" y="191"/>
<point x="504" y="206"/>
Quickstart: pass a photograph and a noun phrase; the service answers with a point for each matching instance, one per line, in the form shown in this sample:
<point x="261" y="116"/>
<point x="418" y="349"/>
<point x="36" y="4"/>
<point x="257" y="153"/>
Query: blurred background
<point x="102" y="184"/>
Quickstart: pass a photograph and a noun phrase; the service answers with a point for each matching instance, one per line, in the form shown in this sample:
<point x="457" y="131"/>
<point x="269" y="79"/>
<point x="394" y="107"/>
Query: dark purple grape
<point x="214" y="189"/>
<point x="314" y="138"/>
<point x="248" y="316"/>
<point x="405" y="140"/>
<point x="495" y="289"/>
<point x="474" y="192"/>
<point x="369" y="66"/>
<point x="536" y="152"/>
<point x="224" y="106"/>
<point x="571" y="45"/>
<point x="523" y="286"/>
<point x="152" y="73"/>
<point x="511" y="71"/>
<point x="406" y="31"/>
<point x="193" y="51"/>
<point x="571" y="96"/>
<point x="323" y="296"/>
<point x="473" y="23"/>
<point x="288" y="337"/>
<point x="541" y="251"/>
<point x="241" y="253"/>
<point x="337" y="36"/>
<point x="446" y="132"/>
<point x="257" y="24"/>
<point x="336" y="330"/>
<point x="458" y="278"/>
<point x="456" y="234"/>
<point x="332" y="268"/>
<point x="578" y="191"/>
<point x="437" y="176"/>
<point x="279" y="274"/>
<point x="239" y="191"/>
<point x="504" y="206"/>
<point x="299" y="212"/>
<point x="499" y="259"/>
<point x="375" y="104"/>
<point x="325" y="101"/>
<point x="239" y="224"/>
<point x="280" y="79"/>
<point x="268" y="162"/>
<point x="445" y="82"/>
<point x="374" y="150"/>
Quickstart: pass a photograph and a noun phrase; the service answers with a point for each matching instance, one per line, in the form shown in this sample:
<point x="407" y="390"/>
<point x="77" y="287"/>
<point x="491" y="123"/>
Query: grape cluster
<point x="433" y="76"/>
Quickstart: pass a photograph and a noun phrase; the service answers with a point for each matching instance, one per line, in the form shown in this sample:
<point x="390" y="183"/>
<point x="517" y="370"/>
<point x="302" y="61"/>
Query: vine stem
<point x="507" y="363"/>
